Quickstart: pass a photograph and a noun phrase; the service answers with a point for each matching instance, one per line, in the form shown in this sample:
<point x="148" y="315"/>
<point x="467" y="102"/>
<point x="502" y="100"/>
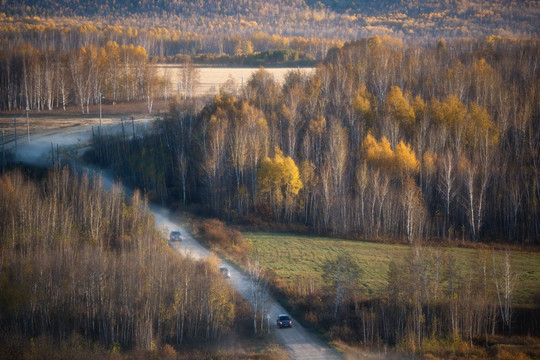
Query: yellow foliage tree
<point x="405" y="161"/>
<point x="362" y="103"/>
<point x="480" y="126"/>
<point x="451" y="112"/>
<point x="374" y="42"/>
<point x="377" y="153"/>
<point x="279" y="181"/>
<point x="398" y="108"/>
<point x="401" y="162"/>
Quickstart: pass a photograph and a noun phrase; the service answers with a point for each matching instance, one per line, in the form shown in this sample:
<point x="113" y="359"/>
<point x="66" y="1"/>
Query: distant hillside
<point x="460" y="8"/>
<point x="343" y="19"/>
<point x="412" y="7"/>
<point x="130" y="7"/>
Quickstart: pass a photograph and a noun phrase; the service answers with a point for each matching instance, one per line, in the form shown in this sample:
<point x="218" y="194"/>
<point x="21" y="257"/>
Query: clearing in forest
<point x="292" y="257"/>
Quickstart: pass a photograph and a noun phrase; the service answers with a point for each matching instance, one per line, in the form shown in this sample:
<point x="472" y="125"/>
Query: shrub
<point x="215" y="232"/>
<point x="219" y="236"/>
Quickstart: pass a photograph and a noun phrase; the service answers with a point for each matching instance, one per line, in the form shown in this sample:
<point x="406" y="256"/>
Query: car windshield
<point x="283" y="317"/>
<point x="175" y="233"/>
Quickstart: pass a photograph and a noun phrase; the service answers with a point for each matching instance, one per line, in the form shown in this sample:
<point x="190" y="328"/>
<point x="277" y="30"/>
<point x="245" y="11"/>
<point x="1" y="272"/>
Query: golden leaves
<point x="451" y="112"/>
<point x="479" y="124"/>
<point x="405" y="159"/>
<point x="362" y="103"/>
<point x="401" y="161"/>
<point x="378" y="153"/>
<point x="473" y="121"/>
<point x="397" y="107"/>
<point x="279" y="177"/>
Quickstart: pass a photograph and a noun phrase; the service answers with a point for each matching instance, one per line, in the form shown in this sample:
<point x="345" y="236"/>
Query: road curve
<point x="300" y="343"/>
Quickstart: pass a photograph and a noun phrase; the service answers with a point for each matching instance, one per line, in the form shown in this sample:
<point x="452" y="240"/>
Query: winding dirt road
<point x="300" y="343"/>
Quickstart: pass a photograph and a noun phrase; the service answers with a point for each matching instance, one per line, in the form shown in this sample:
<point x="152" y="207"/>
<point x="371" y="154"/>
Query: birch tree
<point x="341" y="273"/>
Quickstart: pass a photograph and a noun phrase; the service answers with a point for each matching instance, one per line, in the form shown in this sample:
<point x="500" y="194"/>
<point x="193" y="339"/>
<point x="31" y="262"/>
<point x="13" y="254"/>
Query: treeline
<point x="283" y="58"/>
<point x="383" y="140"/>
<point x="77" y="260"/>
<point x="161" y="43"/>
<point x="43" y="80"/>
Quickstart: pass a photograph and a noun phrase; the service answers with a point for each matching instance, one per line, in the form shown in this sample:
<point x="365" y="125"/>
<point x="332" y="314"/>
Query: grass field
<point x="291" y="256"/>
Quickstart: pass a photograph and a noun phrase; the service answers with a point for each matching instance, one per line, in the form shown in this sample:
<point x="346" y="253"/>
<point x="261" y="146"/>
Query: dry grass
<point x="58" y="119"/>
<point x="359" y="353"/>
<point x="211" y="78"/>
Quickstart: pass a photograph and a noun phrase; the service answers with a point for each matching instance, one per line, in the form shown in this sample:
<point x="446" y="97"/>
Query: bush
<point x="220" y="237"/>
<point x="215" y="232"/>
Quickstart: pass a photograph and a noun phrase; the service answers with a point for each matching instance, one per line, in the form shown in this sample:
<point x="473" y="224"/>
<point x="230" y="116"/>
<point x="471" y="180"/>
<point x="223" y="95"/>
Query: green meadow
<point x="293" y="256"/>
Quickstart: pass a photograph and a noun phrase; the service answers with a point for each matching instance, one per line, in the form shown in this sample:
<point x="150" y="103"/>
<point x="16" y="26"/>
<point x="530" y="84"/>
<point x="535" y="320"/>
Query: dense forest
<point x="383" y="140"/>
<point x="162" y="44"/>
<point x="79" y="261"/>
<point x="420" y="124"/>
<point x="55" y="53"/>
<point x="331" y="19"/>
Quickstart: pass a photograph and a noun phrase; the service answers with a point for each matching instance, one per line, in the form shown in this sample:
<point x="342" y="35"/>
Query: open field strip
<point x="212" y="78"/>
<point x="292" y="256"/>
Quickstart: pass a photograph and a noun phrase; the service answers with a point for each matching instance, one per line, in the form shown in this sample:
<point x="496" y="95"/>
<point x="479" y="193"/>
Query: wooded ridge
<point x="336" y="20"/>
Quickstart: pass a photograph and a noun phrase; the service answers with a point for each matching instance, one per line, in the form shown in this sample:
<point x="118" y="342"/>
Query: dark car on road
<point x="175" y="236"/>
<point x="225" y="272"/>
<point x="284" y="321"/>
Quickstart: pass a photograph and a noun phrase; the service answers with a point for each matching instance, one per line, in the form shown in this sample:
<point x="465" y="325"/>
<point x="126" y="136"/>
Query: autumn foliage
<point x="382" y="140"/>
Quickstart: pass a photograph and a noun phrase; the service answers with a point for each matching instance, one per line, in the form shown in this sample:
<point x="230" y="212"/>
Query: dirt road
<point x="298" y="341"/>
<point x="43" y="141"/>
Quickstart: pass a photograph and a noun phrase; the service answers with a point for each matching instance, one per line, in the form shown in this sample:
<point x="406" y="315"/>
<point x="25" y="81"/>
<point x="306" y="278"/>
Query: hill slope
<point x="345" y="19"/>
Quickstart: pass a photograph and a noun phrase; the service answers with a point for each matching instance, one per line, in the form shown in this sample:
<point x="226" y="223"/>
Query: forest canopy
<point x="390" y="141"/>
<point x="337" y="20"/>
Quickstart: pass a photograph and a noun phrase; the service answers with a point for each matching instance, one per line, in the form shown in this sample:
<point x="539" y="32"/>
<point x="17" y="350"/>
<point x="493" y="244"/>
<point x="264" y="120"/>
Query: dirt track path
<point x="300" y="343"/>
